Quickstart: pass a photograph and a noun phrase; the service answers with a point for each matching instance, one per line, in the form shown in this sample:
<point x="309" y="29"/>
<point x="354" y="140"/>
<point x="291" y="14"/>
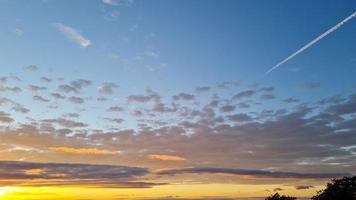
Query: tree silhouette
<point x="344" y="189"/>
<point x="279" y="197"/>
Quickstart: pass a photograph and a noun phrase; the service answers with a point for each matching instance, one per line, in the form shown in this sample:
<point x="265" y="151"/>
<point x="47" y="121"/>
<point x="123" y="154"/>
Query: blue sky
<point x="92" y="69"/>
<point x="174" y="46"/>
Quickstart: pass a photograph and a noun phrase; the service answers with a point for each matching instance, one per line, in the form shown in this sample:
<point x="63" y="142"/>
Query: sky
<point x="134" y="99"/>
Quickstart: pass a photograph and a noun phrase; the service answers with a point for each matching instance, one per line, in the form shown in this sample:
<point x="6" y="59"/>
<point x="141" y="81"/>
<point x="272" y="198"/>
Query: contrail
<point x="337" y="26"/>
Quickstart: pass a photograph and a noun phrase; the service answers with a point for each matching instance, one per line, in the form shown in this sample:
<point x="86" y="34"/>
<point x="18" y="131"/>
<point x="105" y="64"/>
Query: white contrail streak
<point x="337" y="26"/>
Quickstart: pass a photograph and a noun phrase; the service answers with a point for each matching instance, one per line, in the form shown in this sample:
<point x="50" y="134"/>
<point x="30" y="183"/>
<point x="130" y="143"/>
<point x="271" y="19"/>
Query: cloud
<point x="31" y="68"/>
<point x="107" y="88"/>
<point x="75" y="86"/>
<point x="255" y="173"/>
<point x="115" y="109"/>
<point x="311" y="85"/>
<point x="239" y="117"/>
<point x="58" y="96"/>
<point x="115" y="120"/>
<point x="10" y="89"/>
<point x="183" y="96"/>
<point x="202" y="89"/>
<point x="267" y="96"/>
<point x="165" y="157"/>
<point x="35" y="88"/>
<point x="291" y="100"/>
<point x="227" y="108"/>
<point x="66" y="123"/>
<point x="277" y="189"/>
<point x="311" y="43"/>
<point x="73" y="35"/>
<point x="46" y="79"/>
<point x="244" y="94"/>
<point x="61" y="174"/>
<point x="75" y="100"/>
<point x="20" y="109"/>
<point x="40" y="99"/>
<point x="18" y="31"/>
<point x="303" y="187"/>
<point x="5" y="117"/>
<point x="154" y="98"/>
<point x="93" y="151"/>
<point x="111" y="2"/>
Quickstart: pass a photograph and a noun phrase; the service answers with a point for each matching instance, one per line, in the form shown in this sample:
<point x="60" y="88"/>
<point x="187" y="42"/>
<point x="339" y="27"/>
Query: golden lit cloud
<point x="165" y="157"/>
<point x="83" y="150"/>
<point x="34" y="171"/>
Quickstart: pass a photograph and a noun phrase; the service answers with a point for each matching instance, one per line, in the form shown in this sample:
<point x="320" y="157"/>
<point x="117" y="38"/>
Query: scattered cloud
<point x="107" y="88"/>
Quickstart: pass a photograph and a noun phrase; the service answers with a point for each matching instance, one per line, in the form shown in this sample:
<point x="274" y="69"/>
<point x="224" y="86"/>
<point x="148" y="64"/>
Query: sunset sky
<point x="170" y="99"/>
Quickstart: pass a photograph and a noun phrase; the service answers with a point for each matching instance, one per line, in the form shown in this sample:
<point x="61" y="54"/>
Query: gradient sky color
<point x="133" y="99"/>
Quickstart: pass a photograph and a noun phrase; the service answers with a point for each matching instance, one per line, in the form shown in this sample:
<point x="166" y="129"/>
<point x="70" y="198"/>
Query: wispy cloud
<point x="250" y="172"/>
<point x="73" y="35"/>
<point x="59" y="174"/>
<point x="165" y="157"/>
<point x="311" y="43"/>
<point x="111" y="2"/>
<point x="94" y="151"/>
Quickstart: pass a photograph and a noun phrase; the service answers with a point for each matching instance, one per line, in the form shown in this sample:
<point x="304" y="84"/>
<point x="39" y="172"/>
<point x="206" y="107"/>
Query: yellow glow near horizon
<point x="179" y="191"/>
<point x="6" y="190"/>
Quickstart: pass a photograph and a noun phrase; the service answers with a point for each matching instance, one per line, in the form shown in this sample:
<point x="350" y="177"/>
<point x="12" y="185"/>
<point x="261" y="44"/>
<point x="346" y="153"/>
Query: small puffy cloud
<point x="239" y="117"/>
<point x="10" y="89"/>
<point x="107" y="88"/>
<point x="227" y="108"/>
<point x="202" y="89"/>
<point x="75" y="100"/>
<point x="40" y="99"/>
<point x="5" y="117"/>
<point x="75" y="86"/>
<point x="111" y="2"/>
<point x="303" y="187"/>
<point x="278" y="189"/>
<point x="73" y="35"/>
<point x="35" y="88"/>
<point x="20" y="109"/>
<point x="71" y="115"/>
<point x="115" y="120"/>
<point x="183" y="96"/>
<point x="66" y="123"/>
<point x="155" y="98"/>
<point x="58" y="96"/>
<point x="18" y="31"/>
<point x="311" y="85"/>
<point x="244" y="94"/>
<point x="115" y="109"/>
<point x="291" y="100"/>
<point x="31" y="68"/>
<point x="46" y="79"/>
<point x="93" y="151"/>
<point x="267" y="96"/>
<point x="165" y="157"/>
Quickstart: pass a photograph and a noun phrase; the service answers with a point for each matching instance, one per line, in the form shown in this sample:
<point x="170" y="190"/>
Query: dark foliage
<point x="279" y="197"/>
<point x="338" y="189"/>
